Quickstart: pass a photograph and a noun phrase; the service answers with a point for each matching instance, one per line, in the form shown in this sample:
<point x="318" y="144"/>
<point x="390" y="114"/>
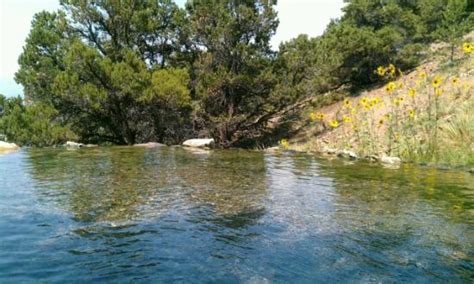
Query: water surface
<point x="169" y="214"/>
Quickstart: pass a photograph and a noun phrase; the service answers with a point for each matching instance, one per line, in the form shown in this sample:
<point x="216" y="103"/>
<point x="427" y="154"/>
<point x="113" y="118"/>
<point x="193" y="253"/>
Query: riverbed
<point x="172" y="214"/>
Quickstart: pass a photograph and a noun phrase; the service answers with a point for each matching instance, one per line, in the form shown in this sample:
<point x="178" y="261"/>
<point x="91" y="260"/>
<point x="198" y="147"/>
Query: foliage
<point x="234" y="78"/>
<point x="127" y="71"/>
<point x="37" y="124"/>
<point x="95" y="62"/>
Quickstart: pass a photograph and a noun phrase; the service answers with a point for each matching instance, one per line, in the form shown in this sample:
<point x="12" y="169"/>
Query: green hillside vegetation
<point x="126" y="72"/>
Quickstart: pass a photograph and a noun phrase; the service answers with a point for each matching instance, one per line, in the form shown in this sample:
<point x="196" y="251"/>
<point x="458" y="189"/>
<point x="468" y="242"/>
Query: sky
<point x="296" y="17"/>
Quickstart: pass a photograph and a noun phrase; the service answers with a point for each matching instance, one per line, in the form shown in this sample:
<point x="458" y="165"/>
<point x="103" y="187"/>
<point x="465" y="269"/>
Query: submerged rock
<point x="149" y="145"/>
<point x="199" y="143"/>
<point x="8" y="146"/>
<point x="347" y="154"/>
<point x="390" y="160"/>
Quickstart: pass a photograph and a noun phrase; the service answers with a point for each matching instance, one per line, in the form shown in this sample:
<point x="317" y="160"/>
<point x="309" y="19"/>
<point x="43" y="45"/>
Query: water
<point x="173" y="214"/>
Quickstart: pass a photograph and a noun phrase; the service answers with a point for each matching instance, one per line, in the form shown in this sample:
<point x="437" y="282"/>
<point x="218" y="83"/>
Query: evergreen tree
<point x="233" y="69"/>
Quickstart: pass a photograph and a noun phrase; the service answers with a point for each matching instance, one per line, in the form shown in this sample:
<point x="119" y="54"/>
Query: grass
<point x="426" y="116"/>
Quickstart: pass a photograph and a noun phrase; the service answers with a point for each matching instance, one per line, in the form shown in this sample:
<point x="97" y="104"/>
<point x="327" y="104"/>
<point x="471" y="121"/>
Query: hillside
<point x="425" y="115"/>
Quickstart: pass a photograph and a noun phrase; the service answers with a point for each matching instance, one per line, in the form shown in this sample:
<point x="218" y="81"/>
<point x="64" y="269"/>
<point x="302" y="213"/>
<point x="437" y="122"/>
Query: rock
<point x="199" y="143"/>
<point x="70" y="144"/>
<point x="372" y="158"/>
<point x="8" y="146"/>
<point x="149" y="145"/>
<point x="330" y="151"/>
<point x="347" y="154"/>
<point x="390" y="160"/>
<point x="272" y="149"/>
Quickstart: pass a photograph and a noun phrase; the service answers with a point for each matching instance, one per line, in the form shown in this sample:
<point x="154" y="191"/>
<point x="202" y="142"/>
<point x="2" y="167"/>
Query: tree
<point x="233" y="68"/>
<point x="36" y="124"/>
<point x="95" y="62"/>
<point x="455" y="23"/>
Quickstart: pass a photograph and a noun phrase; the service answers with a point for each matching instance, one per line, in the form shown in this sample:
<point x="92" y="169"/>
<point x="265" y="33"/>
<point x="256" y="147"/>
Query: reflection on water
<point x="171" y="214"/>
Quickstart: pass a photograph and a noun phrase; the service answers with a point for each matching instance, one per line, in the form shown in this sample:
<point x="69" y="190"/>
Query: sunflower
<point x="439" y="92"/>
<point x="397" y="102"/>
<point x="353" y="111"/>
<point x="411" y="113"/>
<point x="375" y="101"/>
<point x="392" y="69"/>
<point x="320" y="116"/>
<point x="284" y="143"/>
<point x="347" y="103"/>
<point x="422" y="74"/>
<point x="347" y="119"/>
<point x="412" y="93"/>
<point x="390" y="87"/>
<point x="467" y="47"/>
<point x="381" y="71"/>
<point x="437" y="81"/>
<point x="381" y="122"/>
<point x="455" y="80"/>
<point x="334" y="123"/>
<point x="364" y="101"/>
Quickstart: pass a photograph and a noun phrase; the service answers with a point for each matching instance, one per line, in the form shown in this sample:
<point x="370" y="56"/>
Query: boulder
<point x="149" y="145"/>
<point x="390" y="160"/>
<point x="8" y="146"/>
<point x="70" y="144"/>
<point x="199" y="143"/>
<point x="347" y="154"/>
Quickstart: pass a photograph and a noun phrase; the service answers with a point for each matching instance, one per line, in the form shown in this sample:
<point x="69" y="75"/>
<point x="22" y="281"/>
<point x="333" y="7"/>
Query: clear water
<point x="176" y="215"/>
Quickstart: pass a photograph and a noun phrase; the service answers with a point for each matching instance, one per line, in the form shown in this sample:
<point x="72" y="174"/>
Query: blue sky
<point x="296" y="17"/>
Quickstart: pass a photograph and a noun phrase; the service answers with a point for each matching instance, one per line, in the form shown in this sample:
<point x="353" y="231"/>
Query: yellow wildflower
<point x="467" y="47"/>
<point x="390" y="87"/>
<point x="381" y="71"/>
<point x="347" y="119"/>
<point x="411" y="113"/>
<point x="392" y="69"/>
<point x="381" y="122"/>
<point x="334" y="123"/>
<point x="455" y="80"/>
<point x="353" y="111"/>
<point x="320" y="116"/>
<point x="412" y="93"/>
<point x="397" y="102"/>
<point x="312" y="116"/>
<point x="439" y="92"/>
<point x="422" y="74"/>
<point x="437" y="81"/>
<point x="347" y="103"/>
<point x="376" y="100"/>
<point x="364" y="101"/>
<point x="284" y="143"/>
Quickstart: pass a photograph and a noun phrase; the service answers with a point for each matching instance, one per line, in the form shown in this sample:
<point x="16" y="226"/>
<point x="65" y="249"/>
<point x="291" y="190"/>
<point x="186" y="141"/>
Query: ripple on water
<point x="172" y="214"/>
